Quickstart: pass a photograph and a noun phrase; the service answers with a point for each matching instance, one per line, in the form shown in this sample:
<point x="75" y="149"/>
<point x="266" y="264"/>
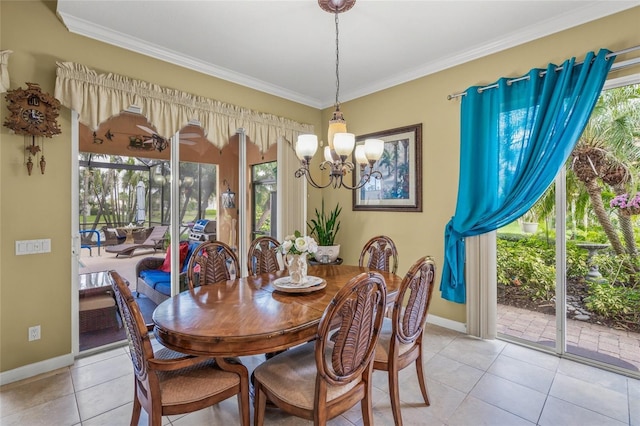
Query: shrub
<point x="528" y="263"/>
<point x="613" y="301"/>
<point x="621" y="269"/>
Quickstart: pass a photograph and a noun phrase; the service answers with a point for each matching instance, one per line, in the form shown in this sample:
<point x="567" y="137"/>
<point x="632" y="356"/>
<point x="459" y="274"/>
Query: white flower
<point x="312" y="245"/>
<point x="301" y="244"/>
<point x="286" y="246"/>
<point x="298" y="244"/>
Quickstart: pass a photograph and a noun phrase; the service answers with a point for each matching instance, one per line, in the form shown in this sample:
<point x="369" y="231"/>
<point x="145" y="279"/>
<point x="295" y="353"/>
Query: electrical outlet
<point x="34" y="333"/>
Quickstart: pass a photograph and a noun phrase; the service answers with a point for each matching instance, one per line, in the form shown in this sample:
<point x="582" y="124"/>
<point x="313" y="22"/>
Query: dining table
<point x="251" y="315"/>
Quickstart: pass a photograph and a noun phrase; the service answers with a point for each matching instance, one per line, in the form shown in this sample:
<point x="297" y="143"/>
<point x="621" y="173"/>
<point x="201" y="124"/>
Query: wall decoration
<point x="400" y="188"/>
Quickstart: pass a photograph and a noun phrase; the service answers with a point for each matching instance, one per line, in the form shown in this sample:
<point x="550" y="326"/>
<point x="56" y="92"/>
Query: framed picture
<point x="400" y="188"/>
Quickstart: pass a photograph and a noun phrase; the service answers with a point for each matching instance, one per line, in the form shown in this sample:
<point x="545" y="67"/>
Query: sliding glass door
<point x="568" y="271"/>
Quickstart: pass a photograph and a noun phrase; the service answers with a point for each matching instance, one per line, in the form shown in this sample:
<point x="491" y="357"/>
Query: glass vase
<point x="297" y="267"/>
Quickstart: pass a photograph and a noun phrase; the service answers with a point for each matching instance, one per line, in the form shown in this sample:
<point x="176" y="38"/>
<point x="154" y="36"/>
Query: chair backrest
<point x="349" y="330"/>
<point x="140" y="347"/>
<point x="416" y="289"/>
<point x="262" y="256"/>
<point x="380" y="253"/>
<point x="212" y="262"/>
<point x="112" y="236"/>
<point x="141" y="235"/>
<point x="157" y="234"/>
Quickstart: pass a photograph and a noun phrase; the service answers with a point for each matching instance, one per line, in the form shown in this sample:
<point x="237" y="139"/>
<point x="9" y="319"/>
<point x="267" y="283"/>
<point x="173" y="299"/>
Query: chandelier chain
<point x="337" y="105"/>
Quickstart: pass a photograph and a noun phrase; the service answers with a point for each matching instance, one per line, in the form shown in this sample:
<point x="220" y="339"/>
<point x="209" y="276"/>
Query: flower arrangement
<point x="627" y="206"/>
<point x="298" y="244"/>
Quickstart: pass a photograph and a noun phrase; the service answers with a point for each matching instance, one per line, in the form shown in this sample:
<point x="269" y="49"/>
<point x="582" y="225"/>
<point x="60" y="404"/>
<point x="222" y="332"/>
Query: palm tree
<point x="607" y="153"/>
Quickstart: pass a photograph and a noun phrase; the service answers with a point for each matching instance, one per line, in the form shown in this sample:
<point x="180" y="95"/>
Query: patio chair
<point x="112" y="236"/>
<point x="141" y="235"/>
<point x="154" y="241"/>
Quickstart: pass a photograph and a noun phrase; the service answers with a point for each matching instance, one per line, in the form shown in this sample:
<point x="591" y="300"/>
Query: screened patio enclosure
<point x="119" y="191"/>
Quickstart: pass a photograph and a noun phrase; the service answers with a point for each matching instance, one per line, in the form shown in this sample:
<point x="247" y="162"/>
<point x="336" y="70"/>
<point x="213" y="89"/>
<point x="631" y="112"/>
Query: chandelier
<point x="340" y="143"/>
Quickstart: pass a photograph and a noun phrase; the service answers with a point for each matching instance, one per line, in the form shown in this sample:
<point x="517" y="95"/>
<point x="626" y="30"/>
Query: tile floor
<point x="471" y="382"/>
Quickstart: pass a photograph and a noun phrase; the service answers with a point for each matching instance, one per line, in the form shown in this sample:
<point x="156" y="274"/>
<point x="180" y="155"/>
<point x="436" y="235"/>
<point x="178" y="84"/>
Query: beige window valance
<point x="97" y="97"/>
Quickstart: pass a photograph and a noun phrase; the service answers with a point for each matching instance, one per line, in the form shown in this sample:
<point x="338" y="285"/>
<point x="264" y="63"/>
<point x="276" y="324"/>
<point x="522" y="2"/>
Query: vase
<point x="529" y="227"/>
<point x="327" y="254"/>
<point x="297" y="267"/>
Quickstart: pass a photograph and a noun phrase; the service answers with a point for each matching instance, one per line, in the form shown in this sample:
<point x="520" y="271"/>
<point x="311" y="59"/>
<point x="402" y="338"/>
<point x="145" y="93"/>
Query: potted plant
<point x="529" y="222"/>
<point x="324" y="228"/>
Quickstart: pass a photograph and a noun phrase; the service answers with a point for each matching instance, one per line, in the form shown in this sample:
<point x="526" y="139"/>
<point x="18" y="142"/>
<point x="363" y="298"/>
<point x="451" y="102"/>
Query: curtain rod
<point x="614" y="67"/>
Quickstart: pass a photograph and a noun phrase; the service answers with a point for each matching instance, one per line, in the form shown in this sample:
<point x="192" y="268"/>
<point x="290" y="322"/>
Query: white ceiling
<point x="287" y="48"/>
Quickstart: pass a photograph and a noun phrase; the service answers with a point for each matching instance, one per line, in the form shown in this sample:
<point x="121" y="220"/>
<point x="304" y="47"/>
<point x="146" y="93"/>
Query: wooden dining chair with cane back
<point x="168" y="383"/>
<point x="212" y="262"/>
<point x="263" y="256"/>
<point x="322" y="379"/>
<point x="401" y="337"/>
<point x="380" y="253"/>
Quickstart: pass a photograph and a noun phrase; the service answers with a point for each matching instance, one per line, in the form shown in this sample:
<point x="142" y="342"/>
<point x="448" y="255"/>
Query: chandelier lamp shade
<point x="341" y="144"/>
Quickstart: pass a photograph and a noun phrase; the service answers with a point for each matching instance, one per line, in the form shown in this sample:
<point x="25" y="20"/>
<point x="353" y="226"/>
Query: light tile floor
<point x="471" y="382"/>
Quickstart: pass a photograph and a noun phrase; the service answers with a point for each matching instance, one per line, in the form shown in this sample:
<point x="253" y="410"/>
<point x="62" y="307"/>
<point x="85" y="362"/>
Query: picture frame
<point x="400" y="188"/>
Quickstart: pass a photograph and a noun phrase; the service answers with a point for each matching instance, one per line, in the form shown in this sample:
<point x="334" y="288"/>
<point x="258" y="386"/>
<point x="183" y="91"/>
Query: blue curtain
<point x="514" y="140"/>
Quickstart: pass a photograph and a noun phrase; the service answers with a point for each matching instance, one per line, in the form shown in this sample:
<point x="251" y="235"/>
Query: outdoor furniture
<point x="400" y="342"/>
<point x="262" y="256"/>
<point x="168" y="382"/>
<point x="97" y="306"/>
<point x="154" y="280"/>
<point x="88" y="243"/>
<point x="154" y="241"/>
<point x="378" y="252"/>
<point x="212" y="262"/>
<point x="327" y="376"/>
<point x="140" y="235"/>
<point x="128" y="231"/>
<point x="112" y="236"/>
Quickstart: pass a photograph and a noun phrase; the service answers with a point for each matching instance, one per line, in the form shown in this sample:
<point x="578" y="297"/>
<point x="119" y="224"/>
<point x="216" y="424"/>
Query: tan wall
<point x="36" y="289"/>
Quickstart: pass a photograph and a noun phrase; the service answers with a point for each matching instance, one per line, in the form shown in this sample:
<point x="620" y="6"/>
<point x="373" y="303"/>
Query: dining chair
<point x="322" y="379"/>
<point x="263" y="256"/>
<point x="380" y="253"/>
<point x="400" y="341"/>
<point x="212" y="262"/>
<point x="168" y="383"/>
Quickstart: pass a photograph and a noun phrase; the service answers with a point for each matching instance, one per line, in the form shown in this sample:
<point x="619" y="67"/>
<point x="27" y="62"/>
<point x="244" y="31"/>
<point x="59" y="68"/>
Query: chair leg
<point x="394" y="393"/>
<point x="135" y="415"/>
<point x="259" y="404"/>
<point x="367" y="408"/>
<point x="243" y="403"/>
<point x="421" y="380"/>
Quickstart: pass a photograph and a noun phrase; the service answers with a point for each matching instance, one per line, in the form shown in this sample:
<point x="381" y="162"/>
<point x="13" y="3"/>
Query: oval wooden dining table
<point x="248" y="316"/>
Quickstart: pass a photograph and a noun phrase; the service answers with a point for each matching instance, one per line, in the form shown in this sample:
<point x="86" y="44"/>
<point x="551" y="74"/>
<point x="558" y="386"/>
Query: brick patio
<point x="617" y="347"/>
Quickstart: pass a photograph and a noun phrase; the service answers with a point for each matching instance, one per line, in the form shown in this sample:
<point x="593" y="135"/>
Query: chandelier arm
<point x="304" y="171"/>
<point x="363" y="180"/>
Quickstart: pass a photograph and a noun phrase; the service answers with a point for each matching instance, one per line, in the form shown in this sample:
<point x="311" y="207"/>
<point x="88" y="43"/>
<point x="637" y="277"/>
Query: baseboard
<point x="35" y="369"/>
<point x="447" y="323"/>
<point x="52" y="364"/>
